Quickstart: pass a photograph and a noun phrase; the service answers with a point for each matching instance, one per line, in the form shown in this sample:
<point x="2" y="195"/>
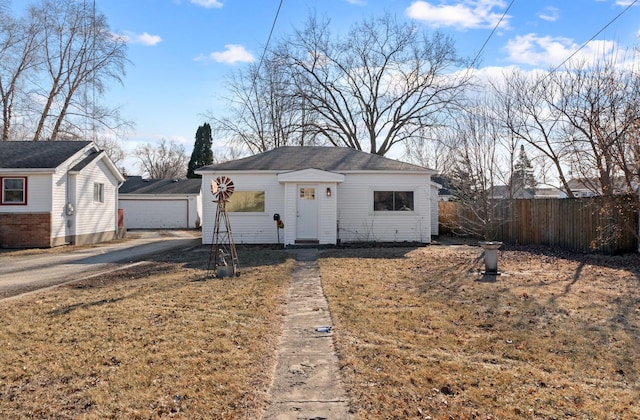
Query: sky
<point x="181" y="52"/>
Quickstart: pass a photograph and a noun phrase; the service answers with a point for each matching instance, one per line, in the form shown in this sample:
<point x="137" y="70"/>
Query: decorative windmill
<point x="223" y="249"/>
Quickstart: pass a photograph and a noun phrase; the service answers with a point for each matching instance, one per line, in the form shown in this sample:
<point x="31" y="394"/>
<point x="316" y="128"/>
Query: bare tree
<point x="601" y="106"/>
<point x="18" y="55"/>
<point x="477" y="169"/>
<point x="528" y="114"/>
<point x="164" y="161"/>
<point x="79" y="52"/>
<point x="112" y="148"/>
<point x="373" y="88"/>
<point x="264" y="111"/>
<point x="431" y="148"/>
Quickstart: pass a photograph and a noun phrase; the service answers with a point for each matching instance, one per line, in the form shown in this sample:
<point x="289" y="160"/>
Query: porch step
<point x="307" y="242"/>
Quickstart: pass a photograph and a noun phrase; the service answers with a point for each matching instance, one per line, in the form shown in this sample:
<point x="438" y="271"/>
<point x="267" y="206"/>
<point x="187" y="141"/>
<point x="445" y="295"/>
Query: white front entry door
<point x="307" y="212"/>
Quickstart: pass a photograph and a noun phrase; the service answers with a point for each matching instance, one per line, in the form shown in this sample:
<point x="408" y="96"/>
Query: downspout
<point x="68" y="211"/>
<point x="117" y="205"/>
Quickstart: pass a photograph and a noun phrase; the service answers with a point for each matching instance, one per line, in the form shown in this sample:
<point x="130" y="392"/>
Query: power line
<point x="584" y="44"/>
<point x="495" y="28"/>
<point x="273" y="25"/>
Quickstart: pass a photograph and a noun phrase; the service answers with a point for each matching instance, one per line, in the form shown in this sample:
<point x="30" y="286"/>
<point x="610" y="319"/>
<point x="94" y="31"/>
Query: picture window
<point x="393" y="201"/>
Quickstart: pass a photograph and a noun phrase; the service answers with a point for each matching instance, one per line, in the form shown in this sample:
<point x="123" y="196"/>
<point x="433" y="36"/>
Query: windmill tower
<point x="223" y="249"/>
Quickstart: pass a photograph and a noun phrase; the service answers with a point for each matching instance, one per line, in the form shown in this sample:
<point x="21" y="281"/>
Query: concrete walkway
<point x="306" y="384"/>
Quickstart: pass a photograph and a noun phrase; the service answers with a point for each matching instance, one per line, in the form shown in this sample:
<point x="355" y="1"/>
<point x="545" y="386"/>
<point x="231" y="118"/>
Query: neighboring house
<point x="56" y="193"/>
<point x="445" y="192"/>
<point x="583" y="188"/>
<point x="324" y="195"/>
<point x="161" y="203"/>
<point x="499" y="192"/>
<point x="590" y="187"/>
<point x="548" y="192"/>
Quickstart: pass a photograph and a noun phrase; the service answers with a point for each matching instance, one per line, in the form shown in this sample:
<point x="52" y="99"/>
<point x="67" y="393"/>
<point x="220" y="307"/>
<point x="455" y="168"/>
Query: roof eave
<point x="28" y="170"/>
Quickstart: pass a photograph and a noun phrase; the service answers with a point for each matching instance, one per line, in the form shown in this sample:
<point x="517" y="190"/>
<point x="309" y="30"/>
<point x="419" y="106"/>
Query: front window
<point x="246" y="202"/>
<point x="393" y="200"/>
<point x="98" y="192"/>
<point x="14" y="191"/>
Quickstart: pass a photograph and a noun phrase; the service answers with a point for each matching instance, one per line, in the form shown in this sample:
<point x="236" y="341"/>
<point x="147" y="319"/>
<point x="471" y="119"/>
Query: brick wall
<point x="25" y="230"/>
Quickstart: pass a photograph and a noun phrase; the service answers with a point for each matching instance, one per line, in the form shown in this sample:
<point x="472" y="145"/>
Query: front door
<point x="307" y="213"/>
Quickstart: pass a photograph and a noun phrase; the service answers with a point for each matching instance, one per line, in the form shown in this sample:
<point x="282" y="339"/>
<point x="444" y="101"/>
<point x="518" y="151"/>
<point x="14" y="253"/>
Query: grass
<point x="146" y="343"/>
<point x="420" y="333"/>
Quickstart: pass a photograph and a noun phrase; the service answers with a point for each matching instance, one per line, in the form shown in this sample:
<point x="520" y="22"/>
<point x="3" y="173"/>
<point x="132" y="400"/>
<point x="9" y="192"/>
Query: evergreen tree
<point x="523" y="177"/>
<point x="202" y="154"/>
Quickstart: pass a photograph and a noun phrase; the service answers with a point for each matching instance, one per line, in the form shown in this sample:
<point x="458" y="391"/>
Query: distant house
<point x="324" y="195"/>
<point x="55" y="193"/>
<point x="444" y="186"/>
<point x="583" y="188"/>
<point x="161" y="203"/>
<point x="500" y="192"/>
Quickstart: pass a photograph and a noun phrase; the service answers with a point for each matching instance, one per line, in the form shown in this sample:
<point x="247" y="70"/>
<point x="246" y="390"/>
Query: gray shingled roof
<point x="138" y="185"/>
<point x="86" y="161"/>
<point x="37" y="154"/>
<point x="294" y="158"/>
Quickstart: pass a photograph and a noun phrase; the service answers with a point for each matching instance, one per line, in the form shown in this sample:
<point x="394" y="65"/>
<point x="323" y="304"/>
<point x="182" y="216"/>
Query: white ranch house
<point x="325" y="196"/>
<point x="55" y="193"/>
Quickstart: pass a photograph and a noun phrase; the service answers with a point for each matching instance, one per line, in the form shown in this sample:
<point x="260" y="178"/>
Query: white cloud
<point x="552" y="51"/>
<point x="209" y="4"/>
<point x="624" y="3"/>
<point x="465" y="14"/>
<point x="140" y="39"/>
<point x="357" y="2"/>
<point x="232" y="54"/>
<point x="550" y="14"/>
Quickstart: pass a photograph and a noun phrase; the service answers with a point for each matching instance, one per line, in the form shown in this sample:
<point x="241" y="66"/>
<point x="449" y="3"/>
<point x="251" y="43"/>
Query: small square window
<point x="14" y="191"/>
<point x="307" y="193"/>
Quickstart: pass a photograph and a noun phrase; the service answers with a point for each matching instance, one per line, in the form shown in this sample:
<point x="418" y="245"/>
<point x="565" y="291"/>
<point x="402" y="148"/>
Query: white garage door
<point x="155" y="214"/>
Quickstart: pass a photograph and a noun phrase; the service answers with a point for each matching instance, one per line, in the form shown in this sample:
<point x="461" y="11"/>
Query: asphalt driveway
<point x="32" y="270"/>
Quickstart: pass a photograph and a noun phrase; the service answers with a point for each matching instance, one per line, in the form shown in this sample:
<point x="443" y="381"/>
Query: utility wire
<point x="584" y="44"/>
<point x="264" y="51"/>
<point x="493" y="31"/>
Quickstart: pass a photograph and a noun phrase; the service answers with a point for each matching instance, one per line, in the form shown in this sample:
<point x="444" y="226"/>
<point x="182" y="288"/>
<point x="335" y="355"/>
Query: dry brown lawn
<point x="419" y="332"/>
<point x="153" y="341"/>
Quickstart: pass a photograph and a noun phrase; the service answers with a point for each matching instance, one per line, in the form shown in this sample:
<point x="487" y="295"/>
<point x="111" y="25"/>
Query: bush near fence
<point x="594" y="224"/>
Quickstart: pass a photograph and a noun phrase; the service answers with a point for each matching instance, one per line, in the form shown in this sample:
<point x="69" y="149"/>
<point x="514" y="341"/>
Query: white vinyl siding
<point x="38" y="195"/>
<point x="249" y="228"/>
<point x="359" y="222"/>
<point x="98" y="192"/>
<point x="434" y="210"/>
<point x="350" y="206"/>
<point x="91" y="216"/>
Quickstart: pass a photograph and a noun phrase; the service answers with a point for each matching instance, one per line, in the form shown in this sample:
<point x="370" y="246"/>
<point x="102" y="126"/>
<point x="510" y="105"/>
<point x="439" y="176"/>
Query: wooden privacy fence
<point x="591" y="224"/>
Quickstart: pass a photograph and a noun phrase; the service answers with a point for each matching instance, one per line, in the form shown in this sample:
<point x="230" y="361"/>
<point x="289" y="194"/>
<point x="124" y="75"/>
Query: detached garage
<point x="161" y="203"/>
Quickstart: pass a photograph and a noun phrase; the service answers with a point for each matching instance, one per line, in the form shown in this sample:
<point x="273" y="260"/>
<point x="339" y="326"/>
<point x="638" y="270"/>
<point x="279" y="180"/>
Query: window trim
<point x="251" y="213"/>
<point x="100" y="192"/>
<point x="393" y="211"/>
<point x="24" y="191"/>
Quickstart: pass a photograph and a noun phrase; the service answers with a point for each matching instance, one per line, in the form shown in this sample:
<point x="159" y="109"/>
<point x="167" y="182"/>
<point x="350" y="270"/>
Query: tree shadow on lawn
<point x="629" y="262"/>
<point x="70" y="308"/>
<point x="198" y="257"/>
